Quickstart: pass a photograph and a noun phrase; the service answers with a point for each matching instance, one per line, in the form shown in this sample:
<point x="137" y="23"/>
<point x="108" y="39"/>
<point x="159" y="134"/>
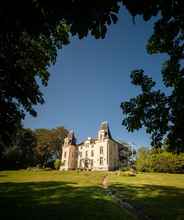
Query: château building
<point x="101" y="153"/>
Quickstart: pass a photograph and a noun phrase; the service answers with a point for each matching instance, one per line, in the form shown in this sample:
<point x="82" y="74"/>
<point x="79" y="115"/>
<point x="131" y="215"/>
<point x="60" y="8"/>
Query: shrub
<point x="57" y="164"/>
<point x="149" y="161"/>
<point x="125" y="168"/>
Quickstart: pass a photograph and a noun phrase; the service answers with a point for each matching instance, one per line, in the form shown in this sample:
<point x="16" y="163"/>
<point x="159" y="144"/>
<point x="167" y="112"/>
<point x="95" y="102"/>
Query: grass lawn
<point x="78" y="195"/>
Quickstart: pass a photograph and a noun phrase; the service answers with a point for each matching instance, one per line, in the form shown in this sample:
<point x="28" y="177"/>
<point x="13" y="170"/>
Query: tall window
<point x="92" y="163"/>
<point x="101" y="150"/>
<point x="92" y="153"/>
<point x="101" y="160"/>
<point x="86" y="154"/>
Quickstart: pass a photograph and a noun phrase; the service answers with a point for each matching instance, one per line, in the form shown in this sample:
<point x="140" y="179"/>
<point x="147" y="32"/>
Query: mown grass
<point x="78" y="195"/>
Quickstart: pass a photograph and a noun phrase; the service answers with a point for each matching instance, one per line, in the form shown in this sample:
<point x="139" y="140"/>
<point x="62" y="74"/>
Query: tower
<point x="69" y="154"/>
<point x="104" y="132"/>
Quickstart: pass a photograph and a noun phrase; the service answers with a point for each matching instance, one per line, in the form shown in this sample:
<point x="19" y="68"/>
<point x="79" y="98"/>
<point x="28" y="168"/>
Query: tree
<point x="30" y="148"/>
<point x="26" y="142"/>
<point x="162" y="115"/>
<point x="21" y="153"/>
<point x="142" y="159"/>
<point x="32" y="31"/>
<point x="58" y="135"/>
<point x="49" y="144"/>
<point x="44" y="146"/>
<point x="151" y="160"/>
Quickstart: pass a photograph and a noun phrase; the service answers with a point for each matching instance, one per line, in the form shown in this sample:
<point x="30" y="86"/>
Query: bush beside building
<point x="163" y="161"/>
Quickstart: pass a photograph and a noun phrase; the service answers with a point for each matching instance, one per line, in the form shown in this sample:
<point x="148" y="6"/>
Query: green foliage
<point x="148" y="109"/>
<point x="30" y="148"/>
<point x="57" y="164"/>
<point x="30" y="39"/>
<point x="32" y="32"/>
<point x="22" y="152"/>
<point x="49" y="144"/>
<point x="163" y="161"/>
<point x="58" y="135"/>
<point x="161" y="114"/>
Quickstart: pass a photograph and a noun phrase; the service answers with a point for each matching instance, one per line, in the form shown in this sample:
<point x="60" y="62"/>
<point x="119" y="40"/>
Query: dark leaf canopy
<point x="149" y="109"/>
<point x="31" y="33"/>
<point x="162" y="115"/>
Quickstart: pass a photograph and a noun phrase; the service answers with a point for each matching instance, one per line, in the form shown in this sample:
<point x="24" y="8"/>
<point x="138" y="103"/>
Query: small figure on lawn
<point x="132" y="172"/>
<point x="105" y="182"/>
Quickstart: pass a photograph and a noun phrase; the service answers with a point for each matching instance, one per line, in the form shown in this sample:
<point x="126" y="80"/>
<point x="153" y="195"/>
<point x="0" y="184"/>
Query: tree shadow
<point x="57" y="200"/>
<point x="3" y="175"/>
<point x="67" y="200"/>
<point x="155" y="201"/>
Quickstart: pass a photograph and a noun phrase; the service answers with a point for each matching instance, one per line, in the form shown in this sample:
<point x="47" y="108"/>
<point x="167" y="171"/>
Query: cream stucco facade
<point x="101" y="153"/>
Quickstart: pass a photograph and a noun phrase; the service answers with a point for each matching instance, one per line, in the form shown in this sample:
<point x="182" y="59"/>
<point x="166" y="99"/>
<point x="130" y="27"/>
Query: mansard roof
<point x="92" y="140"/>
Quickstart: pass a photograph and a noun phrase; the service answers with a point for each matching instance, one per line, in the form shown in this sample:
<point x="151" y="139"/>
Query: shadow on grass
<point x="56" y="200"/>
<point x="3" y="175"/>
<point x="155" y="201"/>
<point x="66" y="200"/>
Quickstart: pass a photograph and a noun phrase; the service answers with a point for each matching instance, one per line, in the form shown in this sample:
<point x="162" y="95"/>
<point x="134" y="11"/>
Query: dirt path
<point x="137" y="212"/>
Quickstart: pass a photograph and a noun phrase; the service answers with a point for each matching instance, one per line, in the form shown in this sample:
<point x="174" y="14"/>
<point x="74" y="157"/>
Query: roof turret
<point x="105" y="127"/>
<point x="71" y="137"/>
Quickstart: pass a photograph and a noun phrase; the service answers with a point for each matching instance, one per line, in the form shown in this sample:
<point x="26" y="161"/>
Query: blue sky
<point x="92" y="77"/>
